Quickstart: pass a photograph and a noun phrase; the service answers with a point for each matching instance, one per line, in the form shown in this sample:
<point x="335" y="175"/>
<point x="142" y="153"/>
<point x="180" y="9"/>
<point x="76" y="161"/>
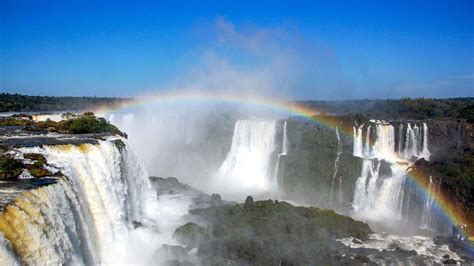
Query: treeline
<point x="24" y="103"/>
<point x="405" y="108"/>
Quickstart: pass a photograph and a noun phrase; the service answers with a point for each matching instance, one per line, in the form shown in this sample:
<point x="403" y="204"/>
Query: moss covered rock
<point x="10" y="168"/>
<point x="268" y="233"/>
<point x="189" y="234"/>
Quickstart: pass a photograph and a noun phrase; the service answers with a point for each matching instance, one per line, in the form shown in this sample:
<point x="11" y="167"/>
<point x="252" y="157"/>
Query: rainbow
<point x="451" y="210"/>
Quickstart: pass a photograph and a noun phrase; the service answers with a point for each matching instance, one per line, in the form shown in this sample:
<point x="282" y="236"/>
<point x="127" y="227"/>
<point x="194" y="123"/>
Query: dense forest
<point x="405" y="108"/>
<point x="24" y="103"/>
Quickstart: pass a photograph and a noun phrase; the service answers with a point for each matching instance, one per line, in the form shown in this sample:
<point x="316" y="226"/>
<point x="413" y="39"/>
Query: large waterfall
<point x="86" y="213"/>
<point x="380" y="192"/>
<point x="249" y="162"/>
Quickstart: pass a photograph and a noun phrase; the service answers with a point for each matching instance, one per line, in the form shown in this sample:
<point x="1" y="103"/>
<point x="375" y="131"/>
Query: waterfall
<point x="284" y="148"/>
<point x="358" y="150"/>
<point x="336" y="168"/>
<point x="384" y="146"/>
<point x="400" y="138"/>
<point x="427" y="216"/>
<point x="284" y="152"/>
<point x="43" y="227"/>
<point x="7" y="255"/>
<point x="44" y="117"/>
<point x="380" y="196"/>
<point x="365" y="186"/>
<point x="79" y="219"/>
<point x="367" y="151"/>
<point x="425" y="153"/>
<point x="248" y="163"/>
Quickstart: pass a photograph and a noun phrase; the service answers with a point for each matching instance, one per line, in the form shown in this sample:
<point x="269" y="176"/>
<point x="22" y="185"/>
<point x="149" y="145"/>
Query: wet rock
<point x="249" y="200"/>
<point x="35" y="157"/>
<point x="189" y="234"/>
<point x="271" y="233"/>
<point x="137" y="224"/>
<point x="450" y="262"/>
<point x="216" y="200"/>
<point x="119" y="144"/>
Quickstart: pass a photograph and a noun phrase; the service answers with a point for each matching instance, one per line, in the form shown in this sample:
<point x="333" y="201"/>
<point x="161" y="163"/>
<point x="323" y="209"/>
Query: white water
<point x="336" y="168"/>
<point x="380" y="198"/>
<point x="48" y="229"/>
<point x="284" y="146"/>
<point x="416" y="143"/>
<point x="44" y="117"/>
<point x="284" y="152"/>
<point x="248" y="164"/>
<point x="422" y="245"/>
<point x="88" y="216"/>
<point x="7" y="256"/>
<point x="428" y="218"/>
<point x="358" y="148"/>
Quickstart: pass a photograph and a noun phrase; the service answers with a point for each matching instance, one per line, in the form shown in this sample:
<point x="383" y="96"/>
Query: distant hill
<point x="25" y="103"/>
<point x="405" y="108"/>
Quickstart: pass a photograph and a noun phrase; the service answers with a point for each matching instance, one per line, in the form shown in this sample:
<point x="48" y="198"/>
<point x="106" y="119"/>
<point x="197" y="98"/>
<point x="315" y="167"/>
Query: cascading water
<point x="80" y="219"/>
<point x="248" y="165"/>
<point x="336" y="168"/>
<point x="416" y="143"/>
<point x="428" y="211"/>
<point x="284" y="152"/>
<point x="380" y="196"/>
<point x="44" y="117"/>
<point x="43" y="226"/>
<point x="7" y="255"/>
<point x="358" y="148"/>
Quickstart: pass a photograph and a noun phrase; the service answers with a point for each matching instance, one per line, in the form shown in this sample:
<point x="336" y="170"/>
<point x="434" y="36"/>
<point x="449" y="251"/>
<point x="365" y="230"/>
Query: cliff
<point x="65" y="194"/>
<point x="313" y="172"/>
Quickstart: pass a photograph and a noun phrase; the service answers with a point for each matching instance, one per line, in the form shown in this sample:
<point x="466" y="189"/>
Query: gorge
<point x="98" y="200"/>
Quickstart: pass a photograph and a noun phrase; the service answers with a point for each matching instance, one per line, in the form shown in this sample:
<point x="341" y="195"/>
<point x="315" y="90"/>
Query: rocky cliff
<point x="321" y="167"/>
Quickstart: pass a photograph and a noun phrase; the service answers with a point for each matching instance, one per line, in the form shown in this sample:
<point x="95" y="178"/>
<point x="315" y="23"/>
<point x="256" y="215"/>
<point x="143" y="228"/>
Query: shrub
<point x="10" y="168"/>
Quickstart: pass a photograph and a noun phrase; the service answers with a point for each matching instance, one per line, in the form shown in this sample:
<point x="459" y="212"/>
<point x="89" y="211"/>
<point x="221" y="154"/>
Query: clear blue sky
<point x="306" y="50"/>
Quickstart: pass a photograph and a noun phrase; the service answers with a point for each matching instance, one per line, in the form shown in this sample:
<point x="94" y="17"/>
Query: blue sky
<point x="298" y="49"/>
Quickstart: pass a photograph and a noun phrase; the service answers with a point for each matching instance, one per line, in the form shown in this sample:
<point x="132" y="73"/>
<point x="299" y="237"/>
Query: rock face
<point x="309" y="170"/>
<point x="452" y="165"/>
<point x="268" y="233"/>
<point x="320" y="167"/>
<point x="449" y="138"/>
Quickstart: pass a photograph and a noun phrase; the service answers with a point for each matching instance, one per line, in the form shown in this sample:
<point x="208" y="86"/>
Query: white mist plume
<point x="248" y="60"/>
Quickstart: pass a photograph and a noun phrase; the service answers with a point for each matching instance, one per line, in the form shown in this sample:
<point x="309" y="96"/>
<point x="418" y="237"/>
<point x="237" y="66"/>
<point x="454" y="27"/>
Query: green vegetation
<point x="79" y="124"/>
<point x="190" y="234"/>
<point x="35" y="157"/>
<point x="405" y="108"/>
<point x="12" y="121"/>
<point x="268" y="233"/>
<point x="119" y="144"/>
<point x="456" y="174"/>
<point x="22" y="103"/>
<point x="37" y="168"/>
<point x="10" y="168"/>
